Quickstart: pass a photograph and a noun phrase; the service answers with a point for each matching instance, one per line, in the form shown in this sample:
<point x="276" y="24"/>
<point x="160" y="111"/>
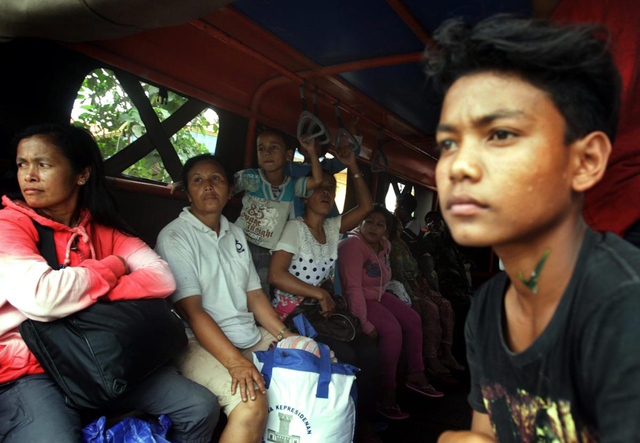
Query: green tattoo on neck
<point x="532" y="283"/>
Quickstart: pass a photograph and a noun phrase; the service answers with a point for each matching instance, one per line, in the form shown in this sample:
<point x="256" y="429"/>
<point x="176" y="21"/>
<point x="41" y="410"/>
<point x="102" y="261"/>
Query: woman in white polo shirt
<point x="219" y="296"/>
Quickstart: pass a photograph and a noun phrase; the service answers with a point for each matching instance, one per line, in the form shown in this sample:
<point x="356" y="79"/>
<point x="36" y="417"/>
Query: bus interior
<point x="153" y="79"/>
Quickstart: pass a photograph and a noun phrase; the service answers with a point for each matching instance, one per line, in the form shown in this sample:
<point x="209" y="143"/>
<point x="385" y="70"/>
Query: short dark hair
<point x="377" y="207"/>
<point x="408" y="202"/>
<point x="80" y="149"/>
<point x="433" y="216"/>
<point x="278" y="133"/>
<point x="184" y="175"/>
<point x="572" y="63"/>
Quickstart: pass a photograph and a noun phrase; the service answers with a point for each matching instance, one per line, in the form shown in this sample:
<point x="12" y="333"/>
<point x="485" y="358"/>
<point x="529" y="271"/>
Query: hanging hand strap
<point x="308" y="123"/>
<point x="379" y="156"/>
<point x="342" y="132"/>
<point x="303" y="95"/>
<point x="315" y="127"/>
<point x="315" y="101"/>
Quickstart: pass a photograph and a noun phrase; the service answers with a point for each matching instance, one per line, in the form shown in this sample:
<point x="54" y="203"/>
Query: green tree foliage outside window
<point x="104" y="108"/>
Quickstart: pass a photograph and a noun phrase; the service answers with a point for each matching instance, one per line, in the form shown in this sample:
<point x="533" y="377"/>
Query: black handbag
<point x="340" y="325"/>
<point x="96" y="354"/>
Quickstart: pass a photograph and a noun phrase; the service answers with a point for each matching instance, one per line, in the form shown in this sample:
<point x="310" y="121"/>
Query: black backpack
<point x="97" y="354"/>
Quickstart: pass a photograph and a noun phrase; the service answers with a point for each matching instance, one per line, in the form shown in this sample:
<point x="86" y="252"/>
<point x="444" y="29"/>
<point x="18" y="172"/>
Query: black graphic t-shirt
<point x="579" y="381"/>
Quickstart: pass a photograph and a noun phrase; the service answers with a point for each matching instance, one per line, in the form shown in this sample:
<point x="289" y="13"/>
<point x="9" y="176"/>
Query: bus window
<point x="104" y="107"/>
<point x="341" y="189"/>
<point x="392" y="194"/>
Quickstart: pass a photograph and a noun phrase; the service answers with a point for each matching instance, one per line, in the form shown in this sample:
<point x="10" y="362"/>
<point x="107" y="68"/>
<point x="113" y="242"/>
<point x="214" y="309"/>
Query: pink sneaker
<point x="427" y="390"/>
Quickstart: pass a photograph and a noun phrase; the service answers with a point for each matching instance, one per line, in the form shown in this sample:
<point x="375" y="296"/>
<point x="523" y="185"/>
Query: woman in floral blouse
<point x="436" y="312"/>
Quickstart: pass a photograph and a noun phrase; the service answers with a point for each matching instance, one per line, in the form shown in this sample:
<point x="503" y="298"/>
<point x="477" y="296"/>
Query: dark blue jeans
<point x="32" y="408"/>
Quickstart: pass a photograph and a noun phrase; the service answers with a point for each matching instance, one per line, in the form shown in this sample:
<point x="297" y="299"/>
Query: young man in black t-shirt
<point x="528" y="118"/>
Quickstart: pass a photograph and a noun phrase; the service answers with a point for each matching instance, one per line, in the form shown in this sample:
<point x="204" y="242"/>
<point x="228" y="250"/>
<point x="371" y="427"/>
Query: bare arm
<point x="316" y="169"/>
<point x="481" y="432"/>
<point x="365" y="203"/>
<point x="211" y="337"/>
<point x="280" y="277"/>
<point x="258" y="303"/>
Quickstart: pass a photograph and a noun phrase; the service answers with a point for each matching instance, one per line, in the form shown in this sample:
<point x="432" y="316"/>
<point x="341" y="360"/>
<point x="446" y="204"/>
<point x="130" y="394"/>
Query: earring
<point x="81" y="182"/>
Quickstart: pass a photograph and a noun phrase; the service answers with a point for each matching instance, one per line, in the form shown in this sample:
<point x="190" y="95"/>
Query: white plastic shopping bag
<point x="311" y="400"/>
<point x="398" y="289"/>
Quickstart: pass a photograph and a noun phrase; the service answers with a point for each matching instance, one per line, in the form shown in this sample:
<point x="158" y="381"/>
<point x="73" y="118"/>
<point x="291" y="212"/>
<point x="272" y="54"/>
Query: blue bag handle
<point x="267" y="366"/>
<point x="324" y="369"/>
<point x="324" y="379"/>
<point x="303" y="326"/>
<point x="325" y="372"/>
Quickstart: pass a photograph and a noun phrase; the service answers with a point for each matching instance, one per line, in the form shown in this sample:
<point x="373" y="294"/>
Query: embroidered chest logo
<point x="372" y="269"/>
<point x="239" y="247"/>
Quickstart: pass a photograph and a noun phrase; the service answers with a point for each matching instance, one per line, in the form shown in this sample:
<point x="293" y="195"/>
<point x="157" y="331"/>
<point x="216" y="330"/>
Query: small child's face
<point x="272" y="154"/>
<point x="504" y="173"/>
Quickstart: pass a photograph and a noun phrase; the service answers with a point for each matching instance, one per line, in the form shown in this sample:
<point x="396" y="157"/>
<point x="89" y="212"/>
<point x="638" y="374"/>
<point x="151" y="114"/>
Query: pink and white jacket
<point x="30" y="288"/>
<point x="363" y="274"/>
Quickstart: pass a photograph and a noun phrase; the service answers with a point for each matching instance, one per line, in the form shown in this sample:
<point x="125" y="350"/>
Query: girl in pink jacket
<point x="363" y="259"/>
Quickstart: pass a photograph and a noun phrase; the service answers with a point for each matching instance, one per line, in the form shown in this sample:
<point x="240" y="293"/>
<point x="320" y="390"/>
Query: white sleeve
<point x="290" y="238"/>
<point x="238" y="182"/>
<point x="334" y="223"/>
<point x="181" y="258"/>
<point x="301" y="186"/>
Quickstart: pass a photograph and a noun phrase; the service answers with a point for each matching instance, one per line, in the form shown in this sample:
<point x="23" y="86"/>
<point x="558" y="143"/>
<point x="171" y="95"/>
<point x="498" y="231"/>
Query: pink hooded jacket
<point x="363" y="274"/>
<point x="31" y="289"/>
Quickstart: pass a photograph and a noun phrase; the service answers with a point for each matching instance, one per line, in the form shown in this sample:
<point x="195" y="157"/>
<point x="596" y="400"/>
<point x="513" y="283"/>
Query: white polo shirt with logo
<point x="217" y="267"/>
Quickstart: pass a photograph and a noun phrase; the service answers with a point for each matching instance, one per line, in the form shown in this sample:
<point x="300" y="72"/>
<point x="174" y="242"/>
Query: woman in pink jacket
<point x="60" y="174"/>
<point x="363" y="259"/>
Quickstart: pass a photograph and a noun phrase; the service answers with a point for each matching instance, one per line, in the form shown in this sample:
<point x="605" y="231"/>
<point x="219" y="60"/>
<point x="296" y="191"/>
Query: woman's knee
<point x="385" y="322"/>
<point x="390" y="330"/>
<point x="250" y="413"/>
<point x="411" y="321"/>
